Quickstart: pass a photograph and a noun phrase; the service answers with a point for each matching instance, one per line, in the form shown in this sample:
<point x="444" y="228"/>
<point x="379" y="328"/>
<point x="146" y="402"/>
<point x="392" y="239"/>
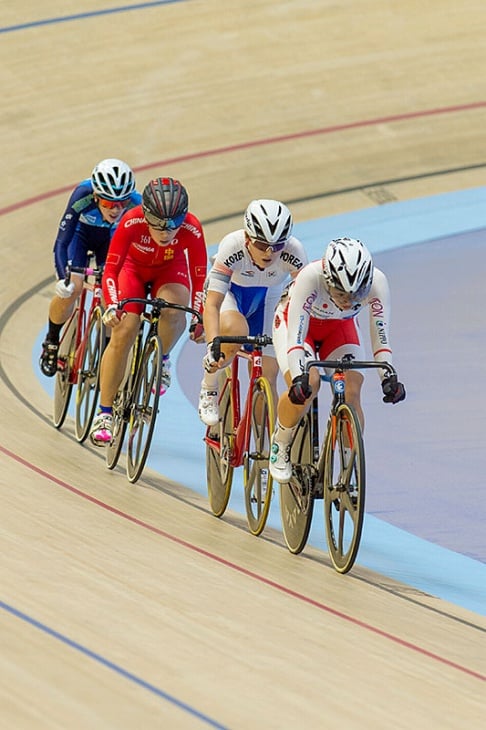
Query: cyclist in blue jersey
<point x="87" y="225"/>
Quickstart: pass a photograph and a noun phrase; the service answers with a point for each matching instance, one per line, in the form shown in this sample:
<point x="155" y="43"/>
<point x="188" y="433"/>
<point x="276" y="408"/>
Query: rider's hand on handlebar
<point x="196" y="330"/>
<point x="63" y="291"/>
<point x="210" y="363"/>
<point x="112" y="315"/>
<point x="300" y="390"/>
<point x="393" y="391"/>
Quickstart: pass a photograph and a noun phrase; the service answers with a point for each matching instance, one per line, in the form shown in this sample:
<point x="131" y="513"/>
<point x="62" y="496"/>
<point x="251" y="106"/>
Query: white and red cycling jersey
<point x="135" y="261"/>
<point x="253" y="291"/>
<point x="308" y="323"/>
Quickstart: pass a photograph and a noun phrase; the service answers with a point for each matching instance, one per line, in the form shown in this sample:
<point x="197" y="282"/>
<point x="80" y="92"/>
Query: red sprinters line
<point x="262" y="142"/>
<point x="244" y="571"/>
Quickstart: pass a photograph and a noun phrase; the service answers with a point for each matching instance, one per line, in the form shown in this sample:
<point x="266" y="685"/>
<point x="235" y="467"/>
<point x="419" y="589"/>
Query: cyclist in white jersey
<point x="243" y="287"/>
<point x="318" y="319"/>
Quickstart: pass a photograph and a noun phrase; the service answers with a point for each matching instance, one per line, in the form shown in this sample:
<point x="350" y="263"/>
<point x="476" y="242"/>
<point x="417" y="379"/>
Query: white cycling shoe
<point x="280" y="464"/>
<point x="208" y="407"/>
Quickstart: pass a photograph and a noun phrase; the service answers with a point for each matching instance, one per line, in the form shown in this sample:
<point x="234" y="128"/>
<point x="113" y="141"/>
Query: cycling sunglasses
<point x="109" y="204"/>
<point x="264" y="246"/>
<point x="165" y="224"/>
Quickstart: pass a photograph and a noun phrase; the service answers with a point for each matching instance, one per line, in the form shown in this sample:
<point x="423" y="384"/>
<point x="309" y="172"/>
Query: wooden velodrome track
<point x="132" y="607"/>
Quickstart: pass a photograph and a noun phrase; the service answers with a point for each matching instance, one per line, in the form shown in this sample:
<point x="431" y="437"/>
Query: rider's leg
<point x="354" y="381"/>
<point x="231" y="322"/>
<point x="271" y="371"/>
<point x="172" y="322"/>
<point x="60" y="309"/>
<point x="115" y="356"/>
<point x="59" y="312"/>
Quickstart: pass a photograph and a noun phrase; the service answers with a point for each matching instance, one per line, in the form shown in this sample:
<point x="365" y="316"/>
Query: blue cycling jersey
<point x="83" y="229"/>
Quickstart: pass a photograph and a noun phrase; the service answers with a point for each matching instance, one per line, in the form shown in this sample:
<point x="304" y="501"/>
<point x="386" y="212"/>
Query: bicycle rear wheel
<point x="64" y="376"/>
<point x="144" y="408"/>
<point x="257" y="481"/>
<point x="219" y="446"/>
<point x="297" y="496"/>
<point x="344" y="488"/>
<point x="88" y="388"/>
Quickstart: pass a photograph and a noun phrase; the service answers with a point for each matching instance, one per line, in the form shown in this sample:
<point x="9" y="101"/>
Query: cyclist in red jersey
<point x="159" y="247"/>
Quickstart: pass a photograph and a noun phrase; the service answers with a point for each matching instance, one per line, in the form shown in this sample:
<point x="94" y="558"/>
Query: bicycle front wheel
<point x="120" y="420"/>
<point x="121" y="410"/>
<point x="344" y="487"/>
<point x="144" y="408"/>
<point x="257" y="481"/>
<point x="297" y="496"/>
<point x="87" y="389"/>
<point x="219" y="447"/>
<point x="64" y="375"/>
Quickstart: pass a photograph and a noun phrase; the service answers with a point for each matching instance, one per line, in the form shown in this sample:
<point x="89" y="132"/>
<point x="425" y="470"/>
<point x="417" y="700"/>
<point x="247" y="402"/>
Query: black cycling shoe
<point x="48" y="359"/>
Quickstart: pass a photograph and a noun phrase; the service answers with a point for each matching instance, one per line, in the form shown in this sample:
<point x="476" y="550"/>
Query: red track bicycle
<point x="242" y="437"/>
<point x="80" y="349"/>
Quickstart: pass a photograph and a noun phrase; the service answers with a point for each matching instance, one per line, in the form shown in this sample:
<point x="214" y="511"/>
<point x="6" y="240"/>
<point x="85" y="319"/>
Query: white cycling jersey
<point x="248" y="289"/>
<point x="309" y="302"/>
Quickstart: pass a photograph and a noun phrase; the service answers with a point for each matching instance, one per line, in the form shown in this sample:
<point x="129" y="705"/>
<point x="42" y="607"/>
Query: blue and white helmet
<point x="113" y="179"/>
<point x="347" y="266"/>
<point x="268" y="220"/>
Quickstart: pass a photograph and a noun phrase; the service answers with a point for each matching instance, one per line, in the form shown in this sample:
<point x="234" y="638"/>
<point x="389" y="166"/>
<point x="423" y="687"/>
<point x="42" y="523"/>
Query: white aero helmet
<point x="268" y="220"/>
<point x="347" y="265"/>
<point x="113" y="179"/>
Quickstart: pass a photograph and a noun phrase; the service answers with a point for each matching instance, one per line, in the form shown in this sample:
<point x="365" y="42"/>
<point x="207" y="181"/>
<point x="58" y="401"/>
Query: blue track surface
<point x="403" y="492"/>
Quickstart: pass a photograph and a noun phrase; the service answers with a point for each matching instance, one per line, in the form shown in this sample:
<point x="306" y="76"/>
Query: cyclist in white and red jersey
<point x="243" y="287"/>
<point x="158" y="247"/>
<point x="318" y="320"/>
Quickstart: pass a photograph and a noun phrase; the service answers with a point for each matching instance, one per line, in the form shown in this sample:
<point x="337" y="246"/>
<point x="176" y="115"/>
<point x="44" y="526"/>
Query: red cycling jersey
<point x="135" y="260"/>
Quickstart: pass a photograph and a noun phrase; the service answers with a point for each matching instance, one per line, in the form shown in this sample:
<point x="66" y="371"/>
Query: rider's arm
<point x="197" y="259"/>
<point x="217" y="284"/>
<point x="117" y="252"/>
<point x="303" y="292"/>
<point x="80" y="198"/>
<point x="295" y="256"/>
<point x="379" y="307"/>
<point x="212" y="308"/>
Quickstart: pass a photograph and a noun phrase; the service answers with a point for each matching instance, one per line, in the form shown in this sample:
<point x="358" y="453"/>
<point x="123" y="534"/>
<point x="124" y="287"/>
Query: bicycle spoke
<point x="297" y="497"/>
<point x="88" y="376"/>
<point x="344" y="488"/>
<point x="258" y="483"/>
<point x="144" y="409"/>
<point x="64" y="377"/>
<point x="219" y="445"/>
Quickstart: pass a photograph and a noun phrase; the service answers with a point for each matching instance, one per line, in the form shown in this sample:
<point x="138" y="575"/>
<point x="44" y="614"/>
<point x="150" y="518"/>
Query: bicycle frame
<point x="83" y="315"/>
<point x="333" y="471"/>
<point x="74" y="348"/>
<point x="242" y="437"/>
<point x="241" y="426"/>
<point x="152" y="320"/>
<point x="338" y="385"/>
<point x="137" y="401"/>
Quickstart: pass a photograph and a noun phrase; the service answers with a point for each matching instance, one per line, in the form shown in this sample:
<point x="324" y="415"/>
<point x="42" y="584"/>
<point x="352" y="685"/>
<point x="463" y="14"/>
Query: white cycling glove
<point x="111" y="315"/>
<point x="63" y="291"/>
<point x="210" y="363"/>
<point x="208" y="359"/>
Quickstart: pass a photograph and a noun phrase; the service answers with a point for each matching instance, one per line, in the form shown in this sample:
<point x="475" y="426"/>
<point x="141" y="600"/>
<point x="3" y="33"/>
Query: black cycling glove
<point x="393" y="391"/>
<point x="300" y="390"/>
